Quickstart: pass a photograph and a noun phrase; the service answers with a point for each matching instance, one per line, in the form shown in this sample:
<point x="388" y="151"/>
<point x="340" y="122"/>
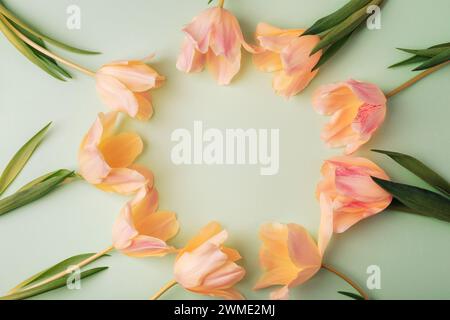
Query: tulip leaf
<point x="54" y="270"/>
<point x="32" y="193"/>
<point x="18" y="162"/>
<point x="331" y="51"/>
<point x="17" y="22"/>
<point x="442" y="57"/>
<point x="354" y="296"/>
<point x="412" y="60"/>
<point x="421" y="201"/>
<point x="62" y="172"/>
<point x="345" y="28"/>
<point x="26" y="50"/>
<point x="56" y="284"/>
<point x="427" y="53"/>
<point x="336" y="17"/>
<point x="419" y="169"/>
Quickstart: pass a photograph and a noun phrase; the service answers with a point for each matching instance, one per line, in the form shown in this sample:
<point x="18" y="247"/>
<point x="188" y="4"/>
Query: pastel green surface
<point x="411" y="251"/>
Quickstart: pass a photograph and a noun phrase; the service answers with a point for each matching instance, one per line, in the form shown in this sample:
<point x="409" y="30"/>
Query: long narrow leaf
<point x="7" y="13"/>
<point x="18" y="162"/>
<point x="423" y="202"/>
<point x="53" y="270"/>
<point x="419" y="169"/>
<point x="336" y="17"/>
<point x="428" y="53"/>
<point x="31" y="194"/>
<point x="354" y="296"/>
<point x="58" y="173"/>
<point x="443" y="57"/>
<point x="412" y="60"/>
<point x="26" y="50"/>
<point x="346" y="27"/>
<point x="331" y="51"/>
<point x="56" y="284"/>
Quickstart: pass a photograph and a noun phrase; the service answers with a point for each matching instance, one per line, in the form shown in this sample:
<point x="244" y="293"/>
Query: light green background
<point x="411" y="251"/>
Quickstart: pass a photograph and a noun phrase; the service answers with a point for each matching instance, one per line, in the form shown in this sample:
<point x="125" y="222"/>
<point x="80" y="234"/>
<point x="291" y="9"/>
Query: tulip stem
<point x="220" y="4"/>
<point x="67" y="271"/>
<point x="346" y="279"/>
<point x="164" y="289"/>
<point x="415" y="79"/>
<point x="45" y="51"/>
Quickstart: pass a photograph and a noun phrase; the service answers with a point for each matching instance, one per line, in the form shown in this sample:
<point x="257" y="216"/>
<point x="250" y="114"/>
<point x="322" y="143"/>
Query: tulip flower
<point x="124" y="86"/>
<point x="213" y="38"/>
<point x="287" y="54"/>
<point x="358" y="110"/>
<point x="105" y="159"/>
<point x="206" y="267"/>
<point x="140" y="231"/>
<point x="348" y="193"/>
<point x="290" y="256"/>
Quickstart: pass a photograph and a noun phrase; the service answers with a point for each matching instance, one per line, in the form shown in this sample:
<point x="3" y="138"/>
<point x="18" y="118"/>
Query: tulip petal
<point x="223" y="69"/>
<point x="296" y="56"/>
<point x="161" y="225"/>
<point x="224" y="277"/>
<point x="190" y="60"/>
<point x="121" y="150"/>
<point x="275" y="39"/>
<point x="367" y="92"/>
<point x="123" y="181"/>
<point x="267" y="61"/>
<point x="227" y="36"/>
<point x="280" y="294"/>
<point x="144" y="101"/>
<point x="199" y="30"/>
<point x="135" y="75"/>
<point x="116" y="95"/>
<point x="302" y="248"/>
<point x="326" y="223"/>
<point x="144" y="246"/>
<point x="123" y="229"/>
<point x="290" y="85"/>
<point x="207" y="232"/>
<point x="330" y="98"/>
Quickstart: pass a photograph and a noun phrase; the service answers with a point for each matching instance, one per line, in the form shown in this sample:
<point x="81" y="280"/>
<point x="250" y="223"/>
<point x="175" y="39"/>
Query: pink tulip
<point x="358" y="110"/>
<point x="140" y="231"/>
<point x="124" y="86"/>
<point x="206" y="267"/>
<point x="214" y="37"/>
<point x="105" y="159"/>
<point x="288" y="55"/>
<point x="347" y="192"/>
<point x="290" y="256"/>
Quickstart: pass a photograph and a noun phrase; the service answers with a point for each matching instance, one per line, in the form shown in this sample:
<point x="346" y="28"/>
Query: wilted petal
<point x="224" y="69"/>
<point x="190" y="60"/>
<point x="199" y="30"/>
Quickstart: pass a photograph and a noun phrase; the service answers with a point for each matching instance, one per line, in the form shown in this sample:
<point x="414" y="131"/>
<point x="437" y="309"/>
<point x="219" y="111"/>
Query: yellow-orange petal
<point x="144" y="101"/>
<point x="121" y="150"/>
<point x="123" y="181"/>
<point x="207" y="232"/>
<point x="161" y="225"/>
<point x="267" y="61"/>
<point x="223" y="69"/>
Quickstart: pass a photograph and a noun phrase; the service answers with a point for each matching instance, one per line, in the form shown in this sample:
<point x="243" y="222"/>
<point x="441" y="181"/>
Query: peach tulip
<point x="290" y="256"/>
<point x="206" y="267"/>
<point x="105" y="159"/>
<point x="288" y="55"/>
<point x="347" y="192"/>
<point x="358" y="110"/>
<point x="124" y="86"/>
<point x="140" y="231"/>
<point x="214" y="38"/>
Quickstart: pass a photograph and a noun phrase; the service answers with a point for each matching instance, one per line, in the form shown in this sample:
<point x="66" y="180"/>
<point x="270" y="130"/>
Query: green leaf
<point x="18" y="162"/>
<point x="422" y="202"/>
<point x="59" y="283"/>
<point x="336" y="17"/>
<point x="443" y="57"/>
<point x="13" y="18"/>
<point x="412" y="60"/>
<point x="26" y="50"/>
<point x="419" y="169"/>
<point x="351" y="295"/>
<point x="32" y="193"/>
<point x="209" y="1"/>
<point x="427" y="53"/>
<point x="57" y="268"/>
<point x="331" y="51"/>
<point x="345" y="28"/>
<point x="58" y="173"/>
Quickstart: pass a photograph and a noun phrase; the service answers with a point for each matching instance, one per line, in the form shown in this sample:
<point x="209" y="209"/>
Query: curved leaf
<point x="32" y="193"/>
<point x="421" y="201"/>
<point x="18" y="162"/>
<point x="59" y="283"/>
<point x="8" y="14"/>
<point x="336" y="17"/>
<point x="412" y="60"/>
<point x="443" y="57"/>
<point x="354" y="296"/>
<point x="58" y="173"/>
<point x="419" y="169"/>
<point x="346" y="27"/>
<point x="427" y="53"/>
<point x="331" y="51"/>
